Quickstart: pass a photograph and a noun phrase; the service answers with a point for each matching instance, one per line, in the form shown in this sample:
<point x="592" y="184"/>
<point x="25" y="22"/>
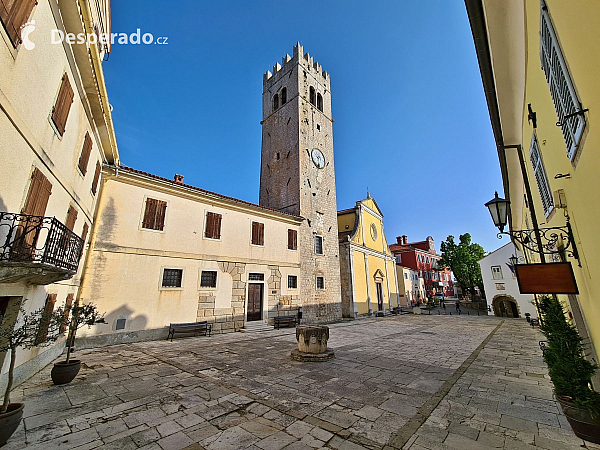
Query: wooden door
<point x="255" y="301"/>
<point x="379" y="296"/>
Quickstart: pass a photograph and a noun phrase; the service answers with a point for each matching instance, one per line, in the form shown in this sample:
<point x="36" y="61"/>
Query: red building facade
<point x="422" y="257"/>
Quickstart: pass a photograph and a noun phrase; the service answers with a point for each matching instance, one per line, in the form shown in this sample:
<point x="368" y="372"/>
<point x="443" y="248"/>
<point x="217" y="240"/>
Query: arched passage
<point x="505" y="306"/>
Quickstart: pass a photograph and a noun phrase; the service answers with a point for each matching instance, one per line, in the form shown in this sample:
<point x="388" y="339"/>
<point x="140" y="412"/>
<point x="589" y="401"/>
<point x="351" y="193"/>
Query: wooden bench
<point x="191" y="327"/>
<point x="284" y="320"/>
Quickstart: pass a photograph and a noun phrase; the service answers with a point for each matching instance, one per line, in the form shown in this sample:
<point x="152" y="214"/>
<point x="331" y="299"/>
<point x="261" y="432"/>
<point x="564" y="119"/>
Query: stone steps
<point x="256" y="327"/>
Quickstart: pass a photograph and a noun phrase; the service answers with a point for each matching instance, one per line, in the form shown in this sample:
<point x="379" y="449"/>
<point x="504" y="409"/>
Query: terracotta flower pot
<point x="10" y="420"/>
<point x="63" y="372"/>
<point x="581" y="421"/>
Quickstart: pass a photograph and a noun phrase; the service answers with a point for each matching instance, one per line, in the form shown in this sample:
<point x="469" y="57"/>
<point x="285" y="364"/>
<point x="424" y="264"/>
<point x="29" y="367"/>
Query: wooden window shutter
<point x="208" y="233"/>
<point x="68" y="305"/>
<point x="292" y="240"/>
<point x="84" y="234"/>
<point x="255" y="233"/>
<point x="149" y="213"/>
<point x="39" y="192"/>
<point x="96" y="177"/>
<point x="14" y="14"/>
<point x="60" y="112"/>
<point x="160" y="215"/>
<point x="45" y="323"/>
<point x="217" y="219"/>
<point x="71" y="218"/>
<point x="85" y="154"/>
<point x="213" y="226"/>
<point x="260" y="233"/>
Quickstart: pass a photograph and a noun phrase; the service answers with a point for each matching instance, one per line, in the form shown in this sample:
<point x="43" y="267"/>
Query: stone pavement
<point x="408" y="382"/>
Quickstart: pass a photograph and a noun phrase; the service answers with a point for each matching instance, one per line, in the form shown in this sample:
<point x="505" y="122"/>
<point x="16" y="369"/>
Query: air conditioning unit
<point x="560" y="199"/>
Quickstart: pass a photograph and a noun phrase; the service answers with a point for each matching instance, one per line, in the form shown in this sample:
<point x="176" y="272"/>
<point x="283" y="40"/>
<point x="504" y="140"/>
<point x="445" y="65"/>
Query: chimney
<point x="404" y="239"/>
<point x="178" y="179"/>
<point x="399" y="240"/>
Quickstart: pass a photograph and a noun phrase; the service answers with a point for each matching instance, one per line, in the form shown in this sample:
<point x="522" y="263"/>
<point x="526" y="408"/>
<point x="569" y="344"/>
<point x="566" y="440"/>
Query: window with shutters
<point x="96" y="177"/>
<point x="154" y="214"/>
<point x="540" y="176"/>
<point x="292" y="240"/>
<point x="212" y="225"/>
<point x="258" y="233"/>
<point x="85" y="154"/>
<point x="71" y="218"/>
<point x="67" y="312"/>
<point x="172" y="278"/>
<point x="208" y="279"/>
<point x="13" y="15"/>
<point x="61" y="108"/>
<point x="46" y="315"/>
<point x="292" y="282"/>
<point x="320" y="282"/>
<point x="562" y="89"/>
<point x="84" y="234"/>
<point x="319" y="245"/>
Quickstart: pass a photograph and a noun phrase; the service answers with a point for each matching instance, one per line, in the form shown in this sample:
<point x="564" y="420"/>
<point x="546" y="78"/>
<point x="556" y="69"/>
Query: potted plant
<point x="528" y="317"/>
<point x="33" y="329"/>
<point x="65" y="371"/>
<point x="570" y="372"/>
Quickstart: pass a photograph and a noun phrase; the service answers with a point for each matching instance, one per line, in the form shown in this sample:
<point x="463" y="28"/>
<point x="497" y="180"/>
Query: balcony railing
<point x="38" y="240"/>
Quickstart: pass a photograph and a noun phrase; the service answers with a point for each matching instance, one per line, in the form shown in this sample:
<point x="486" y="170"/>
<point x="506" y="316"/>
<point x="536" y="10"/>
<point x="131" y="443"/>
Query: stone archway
<point x="505" y="306"/>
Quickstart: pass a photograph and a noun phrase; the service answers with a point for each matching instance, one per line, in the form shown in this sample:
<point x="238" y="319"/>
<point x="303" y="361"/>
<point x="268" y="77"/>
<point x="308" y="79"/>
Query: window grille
<point x="172" y="277"/>
<point x="208" y="279"/>
<point x="319" y="245"/>
<point x="562" y="89"/>
<point x="256" y="277"/>
<point x="292" y="282"/>
<point x="320" y="283"/>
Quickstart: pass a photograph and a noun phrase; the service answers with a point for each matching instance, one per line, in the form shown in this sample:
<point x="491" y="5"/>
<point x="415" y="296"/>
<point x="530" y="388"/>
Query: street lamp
<point x="513" y="260"/>
<point x="499" y="211"/>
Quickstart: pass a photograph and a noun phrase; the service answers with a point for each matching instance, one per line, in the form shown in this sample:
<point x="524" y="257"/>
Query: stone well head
<point x="312" y="338"/>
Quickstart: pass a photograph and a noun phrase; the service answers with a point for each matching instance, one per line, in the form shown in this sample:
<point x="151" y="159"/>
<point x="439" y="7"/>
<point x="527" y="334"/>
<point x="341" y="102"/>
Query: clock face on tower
<point x="318" y="158"/>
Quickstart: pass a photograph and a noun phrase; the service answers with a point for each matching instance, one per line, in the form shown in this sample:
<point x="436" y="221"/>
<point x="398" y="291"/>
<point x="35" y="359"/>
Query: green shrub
<point x="570" y="372"/>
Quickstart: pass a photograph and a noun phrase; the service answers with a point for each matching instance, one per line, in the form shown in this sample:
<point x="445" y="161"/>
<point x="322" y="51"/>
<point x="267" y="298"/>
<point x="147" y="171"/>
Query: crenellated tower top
<point x="299" y="57"/>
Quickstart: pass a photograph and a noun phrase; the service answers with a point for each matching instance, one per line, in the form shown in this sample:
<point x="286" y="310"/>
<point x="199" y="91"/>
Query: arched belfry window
<point x="283" y="96"/>
<point x="319" y="102"/>
<point x="275" y="102"/>
<point x="312" y="95"/>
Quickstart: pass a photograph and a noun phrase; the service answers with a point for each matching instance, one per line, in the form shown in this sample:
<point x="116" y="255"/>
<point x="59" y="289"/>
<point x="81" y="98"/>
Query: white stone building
<point x="501" y="288"/>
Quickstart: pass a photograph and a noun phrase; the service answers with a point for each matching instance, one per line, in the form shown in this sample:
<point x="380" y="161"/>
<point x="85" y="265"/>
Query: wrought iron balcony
<point x="38" y="250"/>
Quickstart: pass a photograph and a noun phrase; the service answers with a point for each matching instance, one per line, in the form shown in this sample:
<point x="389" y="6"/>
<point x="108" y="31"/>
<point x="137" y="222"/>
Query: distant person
<point x="457" y="306"/>
<point x="444" y="305"/>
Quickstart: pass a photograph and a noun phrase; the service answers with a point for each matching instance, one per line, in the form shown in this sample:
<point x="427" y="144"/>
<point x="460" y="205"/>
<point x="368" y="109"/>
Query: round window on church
<point x="373" y="231"/>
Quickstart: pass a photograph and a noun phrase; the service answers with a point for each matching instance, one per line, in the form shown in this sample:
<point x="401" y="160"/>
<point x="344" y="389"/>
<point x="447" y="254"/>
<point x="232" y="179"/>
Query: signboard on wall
<point x="550" y="278"/>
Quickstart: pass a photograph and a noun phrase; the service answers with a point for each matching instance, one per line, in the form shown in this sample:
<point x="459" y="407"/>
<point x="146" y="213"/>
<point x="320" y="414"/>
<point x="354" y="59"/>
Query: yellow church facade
<point x="539" y="65"/>
<point x="367" y="267"/>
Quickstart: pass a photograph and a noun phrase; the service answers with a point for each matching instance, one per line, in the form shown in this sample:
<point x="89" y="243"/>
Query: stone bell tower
<point x="297" y="174"/>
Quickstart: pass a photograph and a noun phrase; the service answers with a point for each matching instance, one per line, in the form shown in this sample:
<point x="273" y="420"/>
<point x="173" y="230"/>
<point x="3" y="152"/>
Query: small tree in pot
<point x="33" y="329"/>
<point x="82" y="315"/>
<point x="570" y="372"/>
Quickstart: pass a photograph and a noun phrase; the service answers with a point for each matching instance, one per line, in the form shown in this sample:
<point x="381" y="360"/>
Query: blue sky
<point x="411" y="121"/>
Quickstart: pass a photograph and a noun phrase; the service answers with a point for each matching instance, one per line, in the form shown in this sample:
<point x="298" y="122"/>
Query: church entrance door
<point x="255" y="301"/>
<point x="379" y="296"/>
